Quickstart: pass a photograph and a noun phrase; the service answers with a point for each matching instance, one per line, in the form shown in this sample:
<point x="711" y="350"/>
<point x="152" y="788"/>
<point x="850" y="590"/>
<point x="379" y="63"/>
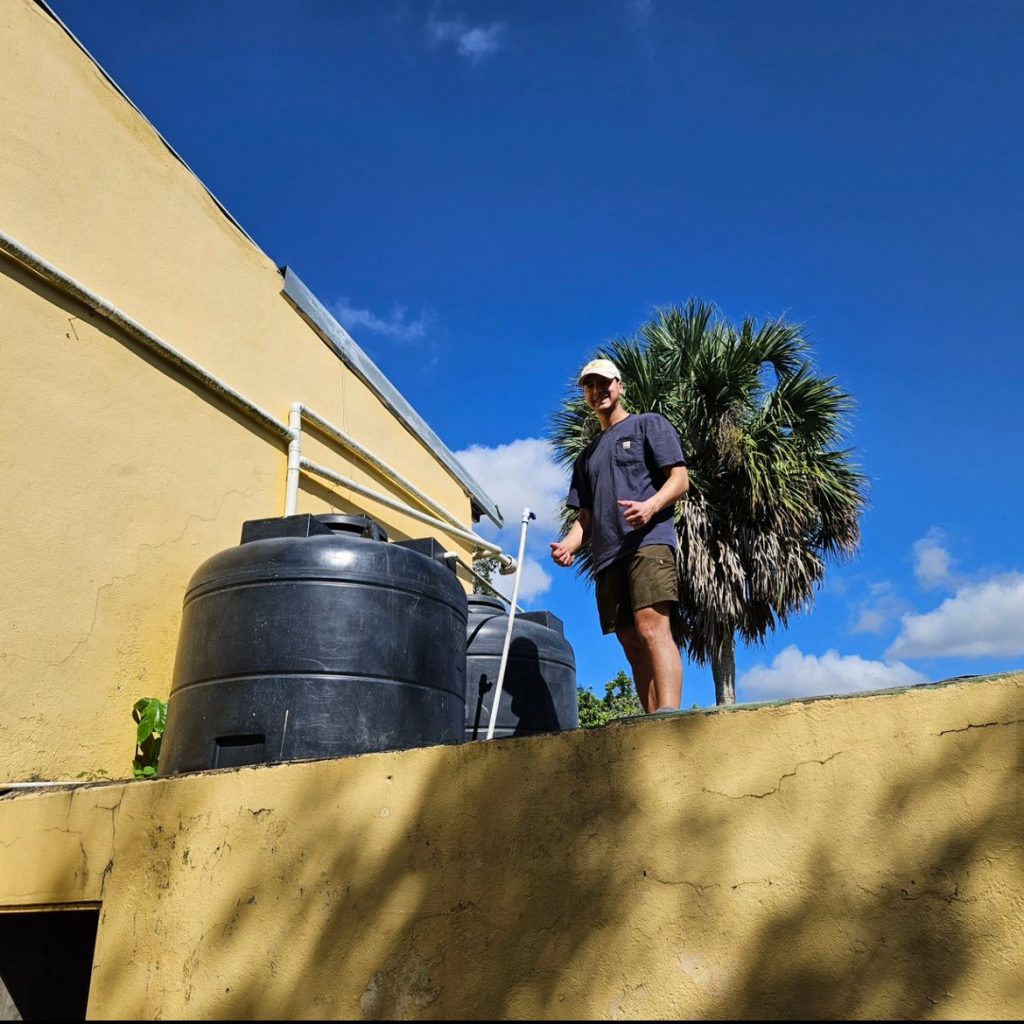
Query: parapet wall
<point x="836" y="858"/>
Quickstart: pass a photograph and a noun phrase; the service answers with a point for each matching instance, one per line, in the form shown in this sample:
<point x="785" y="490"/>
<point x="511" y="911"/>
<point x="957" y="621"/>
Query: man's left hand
<point x="637" y="513"/>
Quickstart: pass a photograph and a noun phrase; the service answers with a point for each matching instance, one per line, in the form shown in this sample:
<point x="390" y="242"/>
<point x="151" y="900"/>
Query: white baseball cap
<point x="600" y="368"/>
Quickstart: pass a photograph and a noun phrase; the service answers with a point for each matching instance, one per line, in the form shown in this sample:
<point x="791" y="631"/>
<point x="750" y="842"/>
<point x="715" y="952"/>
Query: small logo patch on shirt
<point x="625" y="445"/>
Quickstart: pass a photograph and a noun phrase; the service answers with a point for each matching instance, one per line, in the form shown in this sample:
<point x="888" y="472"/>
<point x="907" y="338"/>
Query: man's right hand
<point x="562" y="554"/>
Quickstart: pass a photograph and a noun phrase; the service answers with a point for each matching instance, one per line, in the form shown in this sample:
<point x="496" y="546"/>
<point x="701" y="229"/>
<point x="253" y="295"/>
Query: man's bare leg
<point x="654" y="628"/>
<point x="640" y="662"/>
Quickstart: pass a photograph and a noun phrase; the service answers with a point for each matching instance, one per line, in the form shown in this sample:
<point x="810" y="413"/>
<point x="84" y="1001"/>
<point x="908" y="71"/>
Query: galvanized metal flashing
<point x="327" y="327"/>
<point x="346" y="348"/>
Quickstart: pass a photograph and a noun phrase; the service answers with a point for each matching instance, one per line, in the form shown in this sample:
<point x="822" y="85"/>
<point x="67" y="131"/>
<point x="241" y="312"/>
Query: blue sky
<point x="483" y="193"/>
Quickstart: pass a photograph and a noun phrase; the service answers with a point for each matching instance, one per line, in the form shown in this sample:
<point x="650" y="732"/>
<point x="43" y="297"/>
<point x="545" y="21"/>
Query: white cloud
<point x="795" y="674"/>
<point x="520" y="474"/>
<point x="932" y="562"/>
<point x="534" y="580"/>
<point x="881" y="609"/>
<point x="474" y="42"/>
<point x="395" y="326"/>
<point x="835" y="586"/>
<point x="981" y="619"/>
<point x="871" y="619"/>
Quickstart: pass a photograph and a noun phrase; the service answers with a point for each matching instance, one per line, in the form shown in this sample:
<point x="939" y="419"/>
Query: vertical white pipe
<point x="527" y="516"/>
<point x="291" y="497"/>
<point x="349" y="442"/>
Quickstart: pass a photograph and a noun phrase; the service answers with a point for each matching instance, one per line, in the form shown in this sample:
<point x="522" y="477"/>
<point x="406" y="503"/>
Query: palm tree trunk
<point x="723" y="668"/>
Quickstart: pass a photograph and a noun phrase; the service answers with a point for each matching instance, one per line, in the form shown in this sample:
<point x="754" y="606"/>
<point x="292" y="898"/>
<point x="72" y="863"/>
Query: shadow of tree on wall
<point x="455" y="884"/>
<point x="596" y="874"/>
<point x="455" y="912"/>
<point x="894" y="935"/>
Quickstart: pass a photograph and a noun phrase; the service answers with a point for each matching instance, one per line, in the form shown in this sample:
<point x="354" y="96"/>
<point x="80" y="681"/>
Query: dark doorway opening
<point x="46" y="959"/>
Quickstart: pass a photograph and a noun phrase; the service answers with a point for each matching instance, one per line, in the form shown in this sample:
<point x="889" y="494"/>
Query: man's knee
<point x="630" y="639"/>
<point x="654" y="623"/>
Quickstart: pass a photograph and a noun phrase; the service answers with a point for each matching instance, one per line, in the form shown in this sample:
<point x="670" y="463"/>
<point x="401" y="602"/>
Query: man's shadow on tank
<point x="526" y="707"/>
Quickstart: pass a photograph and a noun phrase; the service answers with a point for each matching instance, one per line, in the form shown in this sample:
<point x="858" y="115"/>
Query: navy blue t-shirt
<point x="628" y="461"/>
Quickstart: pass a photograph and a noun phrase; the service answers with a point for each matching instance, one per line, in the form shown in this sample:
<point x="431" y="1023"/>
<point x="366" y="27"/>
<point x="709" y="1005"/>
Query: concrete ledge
<point x="835" y="858"/>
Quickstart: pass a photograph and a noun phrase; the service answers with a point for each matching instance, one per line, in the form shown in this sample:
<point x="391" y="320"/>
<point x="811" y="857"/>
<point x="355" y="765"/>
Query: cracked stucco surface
<point x="846" y="858"/>
<point x="120" y="476"/>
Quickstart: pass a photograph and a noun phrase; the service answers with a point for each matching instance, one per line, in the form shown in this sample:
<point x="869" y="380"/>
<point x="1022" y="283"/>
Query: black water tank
<point x="316" y="638"/>
<point x="538" y="693"/>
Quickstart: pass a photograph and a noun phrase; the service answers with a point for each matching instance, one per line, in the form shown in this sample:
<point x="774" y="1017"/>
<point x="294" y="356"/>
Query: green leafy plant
<point x="619" y="701"/>
<point x="485" y="567"/>
<point x="150" y="714"/>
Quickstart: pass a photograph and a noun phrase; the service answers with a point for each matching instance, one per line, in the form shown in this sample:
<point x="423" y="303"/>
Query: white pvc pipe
<point x="527" y="516"/>
<point x="287" y="432"/>
<point x="109" y="311"/>
<point x="351" y="485"/>
<point x="291" y="496"/>
<point x="390" y="472"/>
<point x="472" y="572"/>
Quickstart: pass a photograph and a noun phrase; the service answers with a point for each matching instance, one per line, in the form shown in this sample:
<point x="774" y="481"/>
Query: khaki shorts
<point x="646" y="578"/>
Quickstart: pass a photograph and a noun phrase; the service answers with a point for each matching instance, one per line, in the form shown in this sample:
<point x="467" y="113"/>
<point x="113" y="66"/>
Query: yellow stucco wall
<point x="120" y="476"/>
<point x="837" y="858"/>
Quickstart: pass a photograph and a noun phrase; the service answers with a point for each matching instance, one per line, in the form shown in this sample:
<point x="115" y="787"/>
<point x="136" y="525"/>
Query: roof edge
<point x="323" y="323"/>
<point x="177" y="156"/>
<point x="345" y="347"/>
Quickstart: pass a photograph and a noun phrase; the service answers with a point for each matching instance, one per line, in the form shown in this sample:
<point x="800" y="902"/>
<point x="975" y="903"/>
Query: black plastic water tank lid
<point x="542" y="618"/>
<point x="282" y="526"/>
<point x="430" y="548"/>
<point x="312" y="526"/>
<point x="361" y="525"/>
<point x="547" y="619"/>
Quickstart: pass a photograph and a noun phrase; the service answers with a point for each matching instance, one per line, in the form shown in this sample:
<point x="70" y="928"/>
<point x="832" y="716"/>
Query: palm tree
<point x="772" y="497"/>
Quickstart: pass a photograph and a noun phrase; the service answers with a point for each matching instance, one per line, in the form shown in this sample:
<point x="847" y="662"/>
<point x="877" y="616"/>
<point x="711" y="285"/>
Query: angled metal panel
<point x="345" y="347"/>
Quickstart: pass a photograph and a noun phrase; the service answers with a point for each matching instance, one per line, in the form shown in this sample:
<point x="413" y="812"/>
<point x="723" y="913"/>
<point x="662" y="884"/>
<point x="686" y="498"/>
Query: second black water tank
<point x="316" y="638"/>
<point x="538" y="693"/>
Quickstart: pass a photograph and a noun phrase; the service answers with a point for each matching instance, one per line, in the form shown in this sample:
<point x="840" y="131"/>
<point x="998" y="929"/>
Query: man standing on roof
<point x="625" y="484"/>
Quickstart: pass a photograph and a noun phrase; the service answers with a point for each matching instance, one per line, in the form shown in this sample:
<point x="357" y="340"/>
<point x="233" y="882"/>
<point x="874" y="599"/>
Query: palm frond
<point x="773" y="498"/>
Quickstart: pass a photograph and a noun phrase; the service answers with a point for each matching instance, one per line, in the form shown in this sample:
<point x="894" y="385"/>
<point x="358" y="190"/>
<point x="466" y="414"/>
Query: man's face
<point x="600" y="393"/>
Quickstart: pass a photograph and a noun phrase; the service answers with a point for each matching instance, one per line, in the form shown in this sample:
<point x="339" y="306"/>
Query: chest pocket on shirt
<point x="629" y="451"/>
